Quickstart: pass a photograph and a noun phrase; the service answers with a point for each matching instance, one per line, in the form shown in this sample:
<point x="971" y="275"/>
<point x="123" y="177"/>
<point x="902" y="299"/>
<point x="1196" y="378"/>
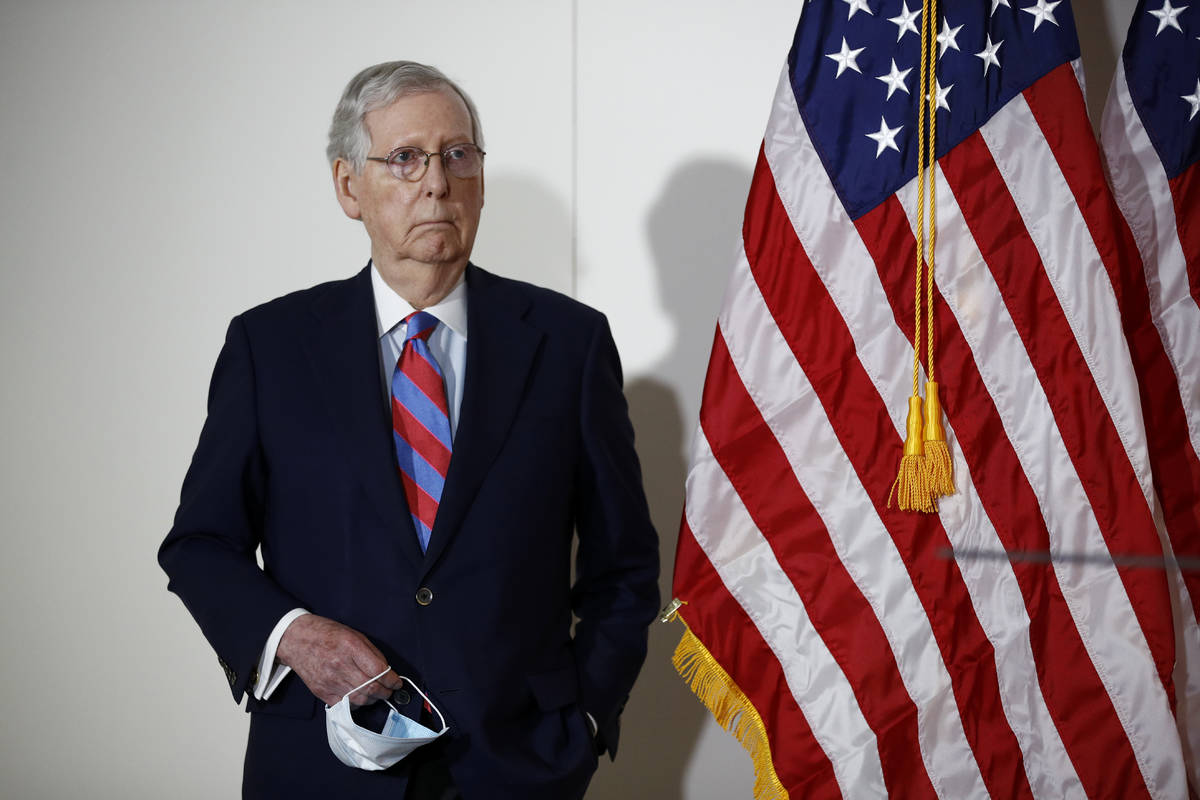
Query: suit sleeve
<point x="210" y="553"/>
<point x="615" y="596"/>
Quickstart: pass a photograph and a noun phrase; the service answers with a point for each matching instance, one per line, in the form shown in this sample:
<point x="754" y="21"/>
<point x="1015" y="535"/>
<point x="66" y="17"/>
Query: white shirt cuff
<point x="271" y="673"/>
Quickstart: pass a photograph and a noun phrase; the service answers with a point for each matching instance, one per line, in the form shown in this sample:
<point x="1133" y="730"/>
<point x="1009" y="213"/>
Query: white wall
<point x="164" y="171"/>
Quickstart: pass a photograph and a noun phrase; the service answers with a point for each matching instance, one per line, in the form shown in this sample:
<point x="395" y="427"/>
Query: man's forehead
<point x="439" y="111"/>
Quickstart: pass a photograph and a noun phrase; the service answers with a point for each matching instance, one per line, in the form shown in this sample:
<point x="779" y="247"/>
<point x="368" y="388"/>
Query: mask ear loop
<point x="368" y="683"/>
<point x="411" y="683"/>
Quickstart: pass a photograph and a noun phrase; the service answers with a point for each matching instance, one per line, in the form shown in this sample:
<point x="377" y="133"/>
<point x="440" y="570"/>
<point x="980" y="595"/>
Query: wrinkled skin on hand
<point x="332" y="659"/>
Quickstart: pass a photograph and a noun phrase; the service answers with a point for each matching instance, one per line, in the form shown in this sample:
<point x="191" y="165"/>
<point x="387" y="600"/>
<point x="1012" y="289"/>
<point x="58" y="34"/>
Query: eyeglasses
<point x="410" y="163"/>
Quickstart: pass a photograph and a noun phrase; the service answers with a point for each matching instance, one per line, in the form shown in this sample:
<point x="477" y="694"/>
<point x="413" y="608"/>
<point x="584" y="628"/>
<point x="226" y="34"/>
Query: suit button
<point x="424" y="596"/>
<point x="402" y="697"/>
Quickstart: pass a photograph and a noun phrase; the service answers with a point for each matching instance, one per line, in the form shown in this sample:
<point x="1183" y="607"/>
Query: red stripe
<point x="730" y="636"/>
<point x="1076" y="698"/>
<point x="420" y="504"/>
<point x="755" y="464"/>
<point x="419" y="437"/>
<point x="825" y="350"/>
<point x="421" y="373"/>
<point x="1185" y="194"/>
<point x="1175" y="466"/>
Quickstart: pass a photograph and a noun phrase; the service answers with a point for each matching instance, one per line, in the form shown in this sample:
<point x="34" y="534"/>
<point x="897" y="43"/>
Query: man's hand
<point x="332" y="659"/>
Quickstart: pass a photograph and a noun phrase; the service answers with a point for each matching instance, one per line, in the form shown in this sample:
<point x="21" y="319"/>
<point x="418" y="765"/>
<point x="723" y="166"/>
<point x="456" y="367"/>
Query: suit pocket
<point x="560" y="737"/>
<point x="556" y="688"/>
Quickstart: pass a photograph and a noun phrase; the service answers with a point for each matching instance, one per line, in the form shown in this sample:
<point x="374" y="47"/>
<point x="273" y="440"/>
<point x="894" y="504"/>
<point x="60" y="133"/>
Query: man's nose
<point x="435" y="181"/>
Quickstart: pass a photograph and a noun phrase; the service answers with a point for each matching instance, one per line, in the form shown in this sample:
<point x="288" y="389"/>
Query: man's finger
<point x="392" y="681"/>
<point x="377" y="689"/>
<point x="383" y="687"/>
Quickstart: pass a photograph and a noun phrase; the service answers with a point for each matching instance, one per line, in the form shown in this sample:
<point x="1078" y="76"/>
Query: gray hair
<point x="377" y="87"/>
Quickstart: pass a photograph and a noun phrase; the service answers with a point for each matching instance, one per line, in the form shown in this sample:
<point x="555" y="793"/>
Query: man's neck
<point x="420" y="284"/>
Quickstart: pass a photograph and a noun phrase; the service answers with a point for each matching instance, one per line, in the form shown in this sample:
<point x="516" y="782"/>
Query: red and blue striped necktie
<point x="420" y="424"/>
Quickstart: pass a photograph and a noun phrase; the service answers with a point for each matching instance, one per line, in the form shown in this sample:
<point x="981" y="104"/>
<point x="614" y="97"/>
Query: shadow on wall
<point x="693" y="227"/>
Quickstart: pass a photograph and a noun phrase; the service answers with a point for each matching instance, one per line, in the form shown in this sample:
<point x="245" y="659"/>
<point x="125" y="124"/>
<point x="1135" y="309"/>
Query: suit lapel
<point x="344" y="349"/>
<point x="501" y="347"/>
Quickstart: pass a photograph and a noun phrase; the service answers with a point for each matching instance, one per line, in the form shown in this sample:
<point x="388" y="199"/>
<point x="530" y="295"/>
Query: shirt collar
<point x="391" y="308"/>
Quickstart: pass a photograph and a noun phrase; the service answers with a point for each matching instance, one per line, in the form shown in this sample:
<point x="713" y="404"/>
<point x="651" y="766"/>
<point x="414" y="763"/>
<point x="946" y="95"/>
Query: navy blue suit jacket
<point x="296" y="457"/>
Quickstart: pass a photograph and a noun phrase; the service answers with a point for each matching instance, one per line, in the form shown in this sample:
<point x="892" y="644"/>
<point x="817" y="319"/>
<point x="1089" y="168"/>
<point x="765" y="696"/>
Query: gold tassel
<point x="731" y="708"/>
<point x="911" y="488"/>
<point x="937" y="454"/>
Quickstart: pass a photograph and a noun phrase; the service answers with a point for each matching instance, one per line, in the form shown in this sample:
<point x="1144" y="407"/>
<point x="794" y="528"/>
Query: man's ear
<point x="345" y="183"/>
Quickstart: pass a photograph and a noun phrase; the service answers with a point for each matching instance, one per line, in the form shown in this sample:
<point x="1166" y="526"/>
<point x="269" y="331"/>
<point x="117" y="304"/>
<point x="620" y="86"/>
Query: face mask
<point x="356" y="746"/>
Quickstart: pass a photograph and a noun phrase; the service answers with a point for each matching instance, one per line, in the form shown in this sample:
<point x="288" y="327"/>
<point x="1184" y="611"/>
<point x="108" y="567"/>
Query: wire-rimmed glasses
<point x="409" y="163"/>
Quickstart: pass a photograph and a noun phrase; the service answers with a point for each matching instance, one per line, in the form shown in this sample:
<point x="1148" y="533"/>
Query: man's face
<point x="429" y="221"/>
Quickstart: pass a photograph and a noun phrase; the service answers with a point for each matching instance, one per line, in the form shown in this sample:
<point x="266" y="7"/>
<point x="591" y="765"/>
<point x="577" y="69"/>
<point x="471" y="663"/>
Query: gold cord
<point x="925" y="468"/>
<point x="931" y="172"/>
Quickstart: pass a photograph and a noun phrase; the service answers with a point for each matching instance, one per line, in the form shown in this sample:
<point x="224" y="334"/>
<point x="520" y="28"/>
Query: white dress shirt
<point x="448" y="343"/>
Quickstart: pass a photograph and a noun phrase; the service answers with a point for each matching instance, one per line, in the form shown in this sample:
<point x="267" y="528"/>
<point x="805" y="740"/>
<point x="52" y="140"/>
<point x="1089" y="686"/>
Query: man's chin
<point x="438" y="248"/>
<point x="440" y="259"/>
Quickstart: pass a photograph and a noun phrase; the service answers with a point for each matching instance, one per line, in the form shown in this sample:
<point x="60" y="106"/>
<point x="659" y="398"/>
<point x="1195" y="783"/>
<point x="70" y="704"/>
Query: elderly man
<point x="417" y="450"/>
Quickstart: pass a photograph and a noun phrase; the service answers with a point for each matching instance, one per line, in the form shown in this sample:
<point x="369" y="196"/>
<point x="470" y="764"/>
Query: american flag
<point x="1151" y="142"/>
<point x="1032" y="638"/>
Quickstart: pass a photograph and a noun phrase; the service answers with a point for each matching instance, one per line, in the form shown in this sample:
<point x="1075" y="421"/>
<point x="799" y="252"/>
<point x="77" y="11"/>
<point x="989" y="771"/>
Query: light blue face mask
<point x="356" y="746"/>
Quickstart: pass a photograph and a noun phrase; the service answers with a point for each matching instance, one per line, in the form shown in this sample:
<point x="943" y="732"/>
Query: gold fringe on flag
<point x="731" y="708"/>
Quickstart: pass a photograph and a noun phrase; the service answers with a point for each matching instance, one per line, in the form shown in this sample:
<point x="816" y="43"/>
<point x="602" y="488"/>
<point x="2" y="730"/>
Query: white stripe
<point x="1074" y="268"/>
<point x="1139" y="183"/>
<point x="1080" y="78"/>
<point x="848" y="272"/>
<point x="1094" y="594"/>
<point x="791" y="408"/>
<point x="748" y="568"/>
